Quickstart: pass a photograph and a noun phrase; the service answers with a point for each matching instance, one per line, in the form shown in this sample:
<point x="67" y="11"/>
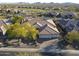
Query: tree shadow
<point x="62" y="44"/>
<point x="75" y="44"/>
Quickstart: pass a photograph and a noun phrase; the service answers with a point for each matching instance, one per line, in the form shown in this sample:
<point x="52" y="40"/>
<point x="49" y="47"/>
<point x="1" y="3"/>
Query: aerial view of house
<point x="39" y="28"/>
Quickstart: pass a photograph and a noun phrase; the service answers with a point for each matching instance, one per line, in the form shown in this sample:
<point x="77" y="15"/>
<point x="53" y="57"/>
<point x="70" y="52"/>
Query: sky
<point x="32" y="1"/>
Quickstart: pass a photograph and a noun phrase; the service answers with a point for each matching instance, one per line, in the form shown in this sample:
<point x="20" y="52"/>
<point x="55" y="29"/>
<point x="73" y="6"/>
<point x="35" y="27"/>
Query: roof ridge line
<point x="51" y="28"/>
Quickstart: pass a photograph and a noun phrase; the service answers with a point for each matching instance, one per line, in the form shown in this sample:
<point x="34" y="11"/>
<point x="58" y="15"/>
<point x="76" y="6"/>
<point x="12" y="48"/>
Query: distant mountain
<point x="51" y="4"/>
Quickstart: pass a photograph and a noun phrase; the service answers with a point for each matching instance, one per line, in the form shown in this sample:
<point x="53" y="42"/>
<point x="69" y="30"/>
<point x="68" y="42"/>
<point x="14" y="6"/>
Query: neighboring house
<point x="58" y="15"/>
<point x="7" y="21"/>
<point x="2" y="28"/>
<point x="3" y="25"/>
<point x="77" y="25"/>
<point x="62" y="22"/>
<point x="16" y="11"/>
<point x="68" y="15"/>
<point x="69" y="24"/>
<point x="47" y="28"/>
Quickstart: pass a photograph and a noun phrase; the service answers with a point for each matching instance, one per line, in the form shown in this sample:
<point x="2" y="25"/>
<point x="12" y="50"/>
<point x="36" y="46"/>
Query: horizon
<point x="41" y="1"/>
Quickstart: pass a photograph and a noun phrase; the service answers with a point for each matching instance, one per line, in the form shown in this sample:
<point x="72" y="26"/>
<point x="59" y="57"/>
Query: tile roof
<point x="44" y="32"/>
<point x="46" y="26"/>
<point x="51" y="22"/>
<point x="48" y="30"/>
